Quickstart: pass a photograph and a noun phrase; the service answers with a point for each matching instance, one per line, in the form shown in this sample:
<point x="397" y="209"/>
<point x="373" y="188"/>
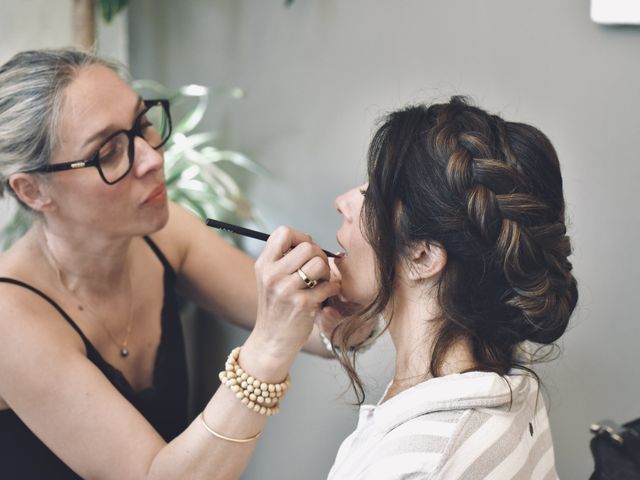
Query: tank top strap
<point x="53" y="304"/>
<point x="159" y="254"/>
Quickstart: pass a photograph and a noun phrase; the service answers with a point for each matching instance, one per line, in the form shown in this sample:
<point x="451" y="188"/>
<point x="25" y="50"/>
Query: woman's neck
<point x="413" y="328"/>
<point x="93" y="264"/>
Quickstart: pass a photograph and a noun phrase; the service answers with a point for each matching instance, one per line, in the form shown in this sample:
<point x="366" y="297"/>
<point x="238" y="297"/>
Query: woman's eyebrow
<point x="104" y="131"/>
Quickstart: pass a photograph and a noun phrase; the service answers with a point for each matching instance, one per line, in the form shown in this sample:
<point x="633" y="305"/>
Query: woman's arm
<point x="216" y="275"/>
<point x="64" y="399"/>
<point x="47" y="380"/>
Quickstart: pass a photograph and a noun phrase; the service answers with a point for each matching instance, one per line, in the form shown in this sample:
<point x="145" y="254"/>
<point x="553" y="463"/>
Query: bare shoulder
<point x="183" y="231"/>
<point x="63" y="398"/>
<point x="32" y="334"/>
<point x="27" y="318"/>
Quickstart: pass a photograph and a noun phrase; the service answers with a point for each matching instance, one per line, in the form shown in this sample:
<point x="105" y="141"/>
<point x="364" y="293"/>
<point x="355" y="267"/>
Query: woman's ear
<point x="427" y="261"/>
<point x="29" y="191"/>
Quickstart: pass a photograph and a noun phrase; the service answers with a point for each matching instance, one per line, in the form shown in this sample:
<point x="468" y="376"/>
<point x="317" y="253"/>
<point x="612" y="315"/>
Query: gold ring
<point x="307" y="281"/>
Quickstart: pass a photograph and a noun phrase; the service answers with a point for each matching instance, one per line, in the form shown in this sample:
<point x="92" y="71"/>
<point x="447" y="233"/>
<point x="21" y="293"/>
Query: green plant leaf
<point x="110" y="8"/>
<point x="16" y="227"/>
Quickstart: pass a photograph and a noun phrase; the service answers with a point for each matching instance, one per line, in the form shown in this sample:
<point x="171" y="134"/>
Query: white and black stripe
<point x="465" y="426"/>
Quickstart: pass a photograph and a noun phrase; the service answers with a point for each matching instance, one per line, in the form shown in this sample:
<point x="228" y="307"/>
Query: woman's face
<point x="357" y="267"/>
<point x="97" y="103"/>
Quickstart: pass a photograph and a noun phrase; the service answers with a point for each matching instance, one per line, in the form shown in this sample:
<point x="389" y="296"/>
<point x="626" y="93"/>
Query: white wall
<point x="317" y="76"/>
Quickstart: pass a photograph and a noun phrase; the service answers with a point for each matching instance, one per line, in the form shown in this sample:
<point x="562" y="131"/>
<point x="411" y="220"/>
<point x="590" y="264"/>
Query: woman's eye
<point x="144" y="123"/>
<point x="107" y="157"/>
<point x="113" y="149"/>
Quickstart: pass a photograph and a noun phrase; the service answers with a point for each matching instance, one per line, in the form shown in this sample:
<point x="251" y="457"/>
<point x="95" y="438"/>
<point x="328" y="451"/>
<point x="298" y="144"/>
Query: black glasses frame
<point x="94" y="161"/>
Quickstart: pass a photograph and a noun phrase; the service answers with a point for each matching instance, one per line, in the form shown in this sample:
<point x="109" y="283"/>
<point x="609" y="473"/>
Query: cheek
<point x="358" y="276"/>
<point x="92" y="201"/>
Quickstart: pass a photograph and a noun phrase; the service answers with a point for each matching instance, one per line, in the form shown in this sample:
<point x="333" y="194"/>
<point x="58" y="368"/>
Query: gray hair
<point x="32" y="86"/>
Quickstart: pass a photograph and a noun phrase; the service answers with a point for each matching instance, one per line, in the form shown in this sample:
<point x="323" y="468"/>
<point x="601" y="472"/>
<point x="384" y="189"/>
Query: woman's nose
<point x="146" y="158"/>
<point x="344" y="204"/>
<point x="340" y="204"/>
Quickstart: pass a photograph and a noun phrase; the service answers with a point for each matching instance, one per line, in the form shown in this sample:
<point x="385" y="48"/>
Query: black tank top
<point x="24" y="457"/>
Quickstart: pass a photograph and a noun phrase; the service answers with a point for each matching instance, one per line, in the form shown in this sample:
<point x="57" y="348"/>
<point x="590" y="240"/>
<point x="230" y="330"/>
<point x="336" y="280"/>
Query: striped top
<point x="461" y="426"/>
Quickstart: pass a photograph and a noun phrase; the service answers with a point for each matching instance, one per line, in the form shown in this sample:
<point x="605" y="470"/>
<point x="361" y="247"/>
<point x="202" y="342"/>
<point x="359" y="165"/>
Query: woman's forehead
<point x="96" y="99"/>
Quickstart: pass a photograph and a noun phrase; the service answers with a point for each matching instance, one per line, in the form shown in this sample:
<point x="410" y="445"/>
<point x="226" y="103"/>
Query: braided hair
<point x="490" y="193"/>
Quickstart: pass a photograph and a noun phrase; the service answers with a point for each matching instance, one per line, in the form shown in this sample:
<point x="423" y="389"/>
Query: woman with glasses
<point x="92" y="364"/>
<point x="458" y="241"/>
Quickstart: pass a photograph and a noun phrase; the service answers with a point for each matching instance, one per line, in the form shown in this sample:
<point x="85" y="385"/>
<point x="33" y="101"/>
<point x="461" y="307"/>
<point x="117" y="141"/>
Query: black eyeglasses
<point x="114" y="158"/>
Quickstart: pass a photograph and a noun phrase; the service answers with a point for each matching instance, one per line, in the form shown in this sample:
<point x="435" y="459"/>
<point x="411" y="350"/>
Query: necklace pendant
<point x="124" y="352"/>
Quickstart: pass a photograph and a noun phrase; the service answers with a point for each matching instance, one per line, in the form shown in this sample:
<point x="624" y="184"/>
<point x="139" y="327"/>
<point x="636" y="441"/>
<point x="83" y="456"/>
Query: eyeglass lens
<point x="114" y="156"/>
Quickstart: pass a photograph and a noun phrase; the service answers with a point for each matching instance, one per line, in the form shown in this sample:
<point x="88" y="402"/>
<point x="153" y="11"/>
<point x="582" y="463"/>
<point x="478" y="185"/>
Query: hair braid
<point x="517" y="229"/>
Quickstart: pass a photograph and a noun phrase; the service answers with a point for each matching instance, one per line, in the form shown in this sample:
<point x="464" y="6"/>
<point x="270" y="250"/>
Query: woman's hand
<point x="287" y="307"/>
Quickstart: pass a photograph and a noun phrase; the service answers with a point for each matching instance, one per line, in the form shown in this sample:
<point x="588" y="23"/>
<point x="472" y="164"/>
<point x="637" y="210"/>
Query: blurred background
<point x="316" y="74"/>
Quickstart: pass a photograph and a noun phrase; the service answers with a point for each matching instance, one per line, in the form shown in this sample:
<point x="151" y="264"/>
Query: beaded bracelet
<point x="261" y="397"/>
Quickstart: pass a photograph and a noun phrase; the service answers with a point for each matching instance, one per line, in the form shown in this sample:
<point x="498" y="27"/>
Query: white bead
<point x="244" y="400"/>
<point x="251" y="404"/>
<point x="249" y="388"/>
<point x="256" y="408"/>
<point x="264" y="386"/>
<point x="253" y="397"/>
<point x="260" y="399"/>
<point x="278" y="387"/>
<point x="235" y="389"/>
<point x="267" y="401"/>
<point x="240" y="395"/>
<point x="244" y="384"/>
<point x="250" y="380"/>
<point x="257" y="392"/>
<point x="256" y="383"/>
<point x="272" y="388"/>
<point x="243" y="375"/>
<point x="263" y="411"/>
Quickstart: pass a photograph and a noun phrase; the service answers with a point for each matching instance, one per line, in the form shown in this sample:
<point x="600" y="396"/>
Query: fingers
<point x="323" y="291"/>
<point x="301" y="253"/>
<point x="315" y="270"/>
<point x="281" y="241"/>
<point x="289" y="265"/>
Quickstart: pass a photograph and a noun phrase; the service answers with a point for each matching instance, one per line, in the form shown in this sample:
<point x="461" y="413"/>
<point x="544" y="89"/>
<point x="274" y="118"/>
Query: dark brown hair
<point x="490" y="193"/>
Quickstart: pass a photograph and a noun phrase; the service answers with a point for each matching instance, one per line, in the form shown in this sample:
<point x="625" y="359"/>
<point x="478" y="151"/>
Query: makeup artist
<point x="92" y="364"/>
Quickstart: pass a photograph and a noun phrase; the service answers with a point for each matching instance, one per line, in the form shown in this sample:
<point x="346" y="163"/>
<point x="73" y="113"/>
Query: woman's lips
<point x="157" y="195"/>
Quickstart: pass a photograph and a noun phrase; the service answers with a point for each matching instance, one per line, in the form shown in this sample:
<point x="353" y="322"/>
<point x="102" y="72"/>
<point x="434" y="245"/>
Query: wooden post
<point x="84" y="23"/>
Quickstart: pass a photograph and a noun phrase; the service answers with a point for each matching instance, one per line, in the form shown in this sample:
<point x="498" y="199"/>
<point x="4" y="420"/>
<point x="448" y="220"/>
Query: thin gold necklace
<point x="124" y="346"/>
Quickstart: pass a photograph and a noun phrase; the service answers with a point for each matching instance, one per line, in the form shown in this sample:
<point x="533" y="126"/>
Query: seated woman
<point x="92" y="365"/>
<point x="458" y="242"/>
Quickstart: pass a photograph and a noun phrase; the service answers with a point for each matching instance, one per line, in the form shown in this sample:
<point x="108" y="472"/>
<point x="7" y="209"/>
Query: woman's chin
<point x="343" y="305"/>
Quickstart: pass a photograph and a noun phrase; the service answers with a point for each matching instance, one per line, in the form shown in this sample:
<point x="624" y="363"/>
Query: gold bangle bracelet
<point x="222" y="437"/>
